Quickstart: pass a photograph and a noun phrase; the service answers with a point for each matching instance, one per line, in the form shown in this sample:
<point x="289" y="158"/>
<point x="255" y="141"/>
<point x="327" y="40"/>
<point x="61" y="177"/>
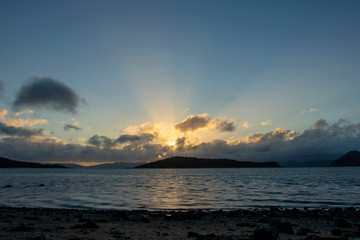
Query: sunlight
<point x="171" y="143"/>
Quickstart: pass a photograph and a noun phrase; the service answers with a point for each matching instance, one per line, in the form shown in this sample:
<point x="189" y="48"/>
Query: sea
<point x="181" y="189"/>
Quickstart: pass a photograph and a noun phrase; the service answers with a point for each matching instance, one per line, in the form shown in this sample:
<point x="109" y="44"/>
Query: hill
<point x="350" y="159"/>
<point x="7" y="163"/>
<point x="192" y="162"/>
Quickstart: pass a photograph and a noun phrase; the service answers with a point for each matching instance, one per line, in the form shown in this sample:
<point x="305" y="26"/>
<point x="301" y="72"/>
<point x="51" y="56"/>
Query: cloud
<point x="19" y="131"/>
<point x="3" y="113"/>
<point x="245" y="125"/>
<point x="142" y="128"/>
<point x="48" y="93"/>
<point x="310" y="110"/>
<point x="69" y="127"/>
<point x="192" y="123"/>
<point x="266" y="123"/>
<point x="73" y="126"/>
<point x="127" y="138"/>
<point x="313" y="110"/>
<point x="25" y="122"/>
<point x="225" y="126"/>
<point x="100" y="141"/>
<point x="19" y="122"/>
<point x="321" y="141"/>
<point x="23" y="112"/>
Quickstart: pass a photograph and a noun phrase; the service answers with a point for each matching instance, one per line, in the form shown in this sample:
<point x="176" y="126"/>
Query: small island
<point x="193" y="162"/>
<point x="350" y="159"/>
<point x="7" y="163"/>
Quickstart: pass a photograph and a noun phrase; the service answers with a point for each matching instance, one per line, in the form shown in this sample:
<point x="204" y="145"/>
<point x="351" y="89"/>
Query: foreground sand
<point x="267" y="224"/>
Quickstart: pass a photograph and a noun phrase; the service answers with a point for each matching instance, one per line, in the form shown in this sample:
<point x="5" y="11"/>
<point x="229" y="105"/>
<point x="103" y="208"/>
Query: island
<point x="7" y="163"/>
<point x="350" y="159"/>
<point x="193" y="162"/>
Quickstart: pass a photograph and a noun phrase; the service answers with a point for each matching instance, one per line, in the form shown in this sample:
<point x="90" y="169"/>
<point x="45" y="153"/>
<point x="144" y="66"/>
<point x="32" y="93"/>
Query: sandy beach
<point x="267" y="224"/>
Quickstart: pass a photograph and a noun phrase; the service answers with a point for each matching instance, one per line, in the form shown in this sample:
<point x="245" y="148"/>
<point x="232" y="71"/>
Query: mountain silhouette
<point x="7" y="163"/>
<point x="192" y="162"/>
<point x="349" y="159"/>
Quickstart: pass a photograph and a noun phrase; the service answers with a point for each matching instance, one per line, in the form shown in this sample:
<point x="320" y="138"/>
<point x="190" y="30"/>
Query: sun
<point x="171" y="143"/>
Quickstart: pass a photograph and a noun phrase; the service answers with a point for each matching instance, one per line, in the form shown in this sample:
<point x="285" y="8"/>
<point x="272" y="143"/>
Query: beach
<point x="245" y="224"/>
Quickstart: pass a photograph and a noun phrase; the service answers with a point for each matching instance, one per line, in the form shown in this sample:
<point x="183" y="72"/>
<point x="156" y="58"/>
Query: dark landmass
<point x="7" y="163"/>
<point x="117" y="165"/>
<point x="350" y="159"/>
<point x="306" y="163"/>
<point x="239" y="224"/>
<point x="192" y="162"/>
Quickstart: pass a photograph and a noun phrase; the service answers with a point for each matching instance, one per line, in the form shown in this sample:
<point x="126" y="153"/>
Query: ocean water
<point x="157" y="189"/>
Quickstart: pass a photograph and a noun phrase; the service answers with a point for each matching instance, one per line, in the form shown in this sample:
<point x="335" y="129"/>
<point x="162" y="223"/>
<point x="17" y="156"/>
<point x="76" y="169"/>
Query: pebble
<point x="341" y="223"/>
<point x="265" y="233"/>
<point x="88" y="225"/>
<point x="43" y="236"/>
<point x="139" y="218"/>
<point x="303" y="231"/>
<point x="312" y="237"/>
<point x="283" y="227"/>
<point x="22" y="228"/>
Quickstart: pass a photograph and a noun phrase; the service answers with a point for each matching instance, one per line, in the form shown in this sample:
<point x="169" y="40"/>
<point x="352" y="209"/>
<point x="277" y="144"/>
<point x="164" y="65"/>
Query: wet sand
<point x="267" y="224"/>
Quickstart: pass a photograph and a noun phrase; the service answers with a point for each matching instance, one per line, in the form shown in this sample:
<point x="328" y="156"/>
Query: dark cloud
<point x="145" y="137"/>
<point x="133" y="140"/>
<point x="19" y="131"/>
<point x="49" y="93"/>
<point x="180" y="143"/>
<point x="70" y="127"/>
<point x="191" y="123"/>
<point x="100" y="141"/>
<point x="225" y="126"/>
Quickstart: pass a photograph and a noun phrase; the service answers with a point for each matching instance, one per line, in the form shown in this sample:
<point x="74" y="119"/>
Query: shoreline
<point x="245" y="224"/>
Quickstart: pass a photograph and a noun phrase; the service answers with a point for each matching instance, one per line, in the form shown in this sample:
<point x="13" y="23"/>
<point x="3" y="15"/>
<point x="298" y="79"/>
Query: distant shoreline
<point x="350" y="159"/>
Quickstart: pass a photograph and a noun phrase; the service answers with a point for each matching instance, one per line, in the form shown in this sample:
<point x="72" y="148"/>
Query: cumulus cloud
<point x="48" y="93"/>
<point x="323" y="140"/>
<point x="20" y="122"/>
<point x="100" y="141"/>
<point x="143" y="138"/>
<point x="127" y="139"/>
<point x="192" y="123"/>
<point x="19" y="131"/>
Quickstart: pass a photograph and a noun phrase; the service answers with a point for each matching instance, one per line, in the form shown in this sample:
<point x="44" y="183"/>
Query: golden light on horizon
<point x="171" y="143"/>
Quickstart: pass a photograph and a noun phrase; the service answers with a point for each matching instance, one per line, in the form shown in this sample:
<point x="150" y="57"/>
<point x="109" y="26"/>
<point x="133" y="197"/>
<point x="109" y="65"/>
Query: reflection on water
<point x="180" y="188"/>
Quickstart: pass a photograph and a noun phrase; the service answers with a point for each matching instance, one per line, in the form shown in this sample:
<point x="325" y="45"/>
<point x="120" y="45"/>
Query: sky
<point x="132" y="81"/>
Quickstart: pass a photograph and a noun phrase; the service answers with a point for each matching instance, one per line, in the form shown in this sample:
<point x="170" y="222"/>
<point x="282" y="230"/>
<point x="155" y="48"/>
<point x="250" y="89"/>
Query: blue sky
<point x="260" y="65"/>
